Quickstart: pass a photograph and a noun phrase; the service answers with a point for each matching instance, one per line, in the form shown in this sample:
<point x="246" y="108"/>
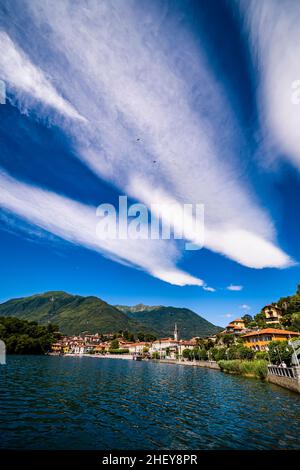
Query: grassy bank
<point x="256" y="368"/>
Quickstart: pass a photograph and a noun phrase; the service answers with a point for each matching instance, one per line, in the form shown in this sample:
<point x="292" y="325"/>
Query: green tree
<point x="202" y="355"/>
<point x="245" y="353"/>
<point x="128" y="336"/>
<point x="280" y="351"/>
<point x="217" y="354"/>
<point x="186" y="354"/>
<point x="260" y="319"/>
<point x="155" y="355"/>
<point x="141" y="336"/>
<point x="295" y="321"/>
<point x="247" y="319"/>
<point x="149" y="337"/>
<point x="114" y="344"/>
<point x="2" y="331"/>
<point x="228" y="339"/>
<point x="23" y="337"/>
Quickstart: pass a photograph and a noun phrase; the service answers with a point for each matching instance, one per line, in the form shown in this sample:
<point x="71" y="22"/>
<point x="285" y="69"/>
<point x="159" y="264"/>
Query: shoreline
<point x="128" y="357"/>
<point x="281" y="382"/>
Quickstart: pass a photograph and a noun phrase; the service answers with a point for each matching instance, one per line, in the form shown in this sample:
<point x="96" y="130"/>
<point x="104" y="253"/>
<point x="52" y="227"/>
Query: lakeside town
<point x="265" y="346"/>
<point x="237" y="332"/>
<point x="242" y="347"/>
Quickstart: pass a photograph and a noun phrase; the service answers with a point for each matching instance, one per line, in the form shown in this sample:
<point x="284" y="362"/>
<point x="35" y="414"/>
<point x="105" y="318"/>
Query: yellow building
<point x="235" y="326"/>
<point x="273" y="314"/>
<point x="258" y="340"/>
<point x="56" y="347"/>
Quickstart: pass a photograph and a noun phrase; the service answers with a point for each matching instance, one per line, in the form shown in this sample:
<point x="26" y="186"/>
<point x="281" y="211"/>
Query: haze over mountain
<point x="75" y="314"/>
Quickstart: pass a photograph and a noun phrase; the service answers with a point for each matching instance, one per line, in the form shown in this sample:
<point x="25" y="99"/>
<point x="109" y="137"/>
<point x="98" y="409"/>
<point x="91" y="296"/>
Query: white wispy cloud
<point x="22" y="76"/>
<point x="77" y="223"/>
<point x="209" y="289"/>
<point x="234" y="287"/>
<point x="158" y="123"/>
<point x="275" y="38"/>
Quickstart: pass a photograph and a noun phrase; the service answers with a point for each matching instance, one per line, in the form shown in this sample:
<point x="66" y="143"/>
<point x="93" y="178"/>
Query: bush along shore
<point x="254" y="368"/>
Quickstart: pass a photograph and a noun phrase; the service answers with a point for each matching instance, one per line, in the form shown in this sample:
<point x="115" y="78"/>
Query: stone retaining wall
<point x="285" y="377"/>
<point x="286" y="382"/>
<point x="207" y="364"/>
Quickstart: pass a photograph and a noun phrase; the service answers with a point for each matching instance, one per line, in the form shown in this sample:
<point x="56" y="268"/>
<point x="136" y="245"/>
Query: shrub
<point x="257" y="368"/>
<point x="155" y="355"/>
<point x="118" y="351"/>
<point x="261" y="355"/>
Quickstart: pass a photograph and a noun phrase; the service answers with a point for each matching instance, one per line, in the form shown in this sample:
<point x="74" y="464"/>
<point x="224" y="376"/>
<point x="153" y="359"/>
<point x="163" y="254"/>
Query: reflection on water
<point x="89" y="403"/>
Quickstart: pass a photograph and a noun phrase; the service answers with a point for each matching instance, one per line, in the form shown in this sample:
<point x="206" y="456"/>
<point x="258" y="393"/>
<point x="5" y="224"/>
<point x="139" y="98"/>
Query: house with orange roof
<point x="258" y="340"/>
<point x="235" y="326"/>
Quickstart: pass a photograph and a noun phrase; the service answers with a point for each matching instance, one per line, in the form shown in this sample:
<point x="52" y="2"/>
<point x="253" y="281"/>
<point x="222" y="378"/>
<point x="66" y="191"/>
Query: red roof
<point x="272" y="331"/>
<point x="271" y="306"/>
<point x="163" y="340"/>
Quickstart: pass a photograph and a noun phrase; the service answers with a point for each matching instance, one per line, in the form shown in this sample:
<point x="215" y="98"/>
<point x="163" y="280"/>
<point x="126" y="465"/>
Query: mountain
<point x="137" y="308"/>
<point x="74" y="314"/>
<point x="163" y="319"/>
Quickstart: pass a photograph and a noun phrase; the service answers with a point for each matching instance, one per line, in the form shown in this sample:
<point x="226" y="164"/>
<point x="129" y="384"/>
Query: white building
<point x="136" y="348"/>
<point x="169" y="348"/>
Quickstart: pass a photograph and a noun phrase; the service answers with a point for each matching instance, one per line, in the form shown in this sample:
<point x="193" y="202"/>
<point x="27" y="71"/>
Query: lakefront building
<point x="137" y="348"/>
<point x="165" y="347"/>
<point x="258" y="340"/>
<point x="171" y="348"/>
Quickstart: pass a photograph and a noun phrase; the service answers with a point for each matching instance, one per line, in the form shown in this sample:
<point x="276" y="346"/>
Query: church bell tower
<point x="176" y="334"/>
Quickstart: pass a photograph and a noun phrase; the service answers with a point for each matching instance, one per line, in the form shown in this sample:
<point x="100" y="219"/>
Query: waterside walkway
<point x="287" y="377"/>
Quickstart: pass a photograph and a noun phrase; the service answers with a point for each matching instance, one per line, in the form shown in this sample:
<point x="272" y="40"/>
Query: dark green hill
<point x="72" y="313"/>
<point x="75" y="314"/>
<point x="163" y="319"/>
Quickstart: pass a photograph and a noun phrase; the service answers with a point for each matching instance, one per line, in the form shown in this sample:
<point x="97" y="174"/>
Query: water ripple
<point x="85" y="403"/>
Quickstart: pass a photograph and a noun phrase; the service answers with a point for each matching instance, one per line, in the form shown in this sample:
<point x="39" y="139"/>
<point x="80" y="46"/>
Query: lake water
<point x="89" y="403"/>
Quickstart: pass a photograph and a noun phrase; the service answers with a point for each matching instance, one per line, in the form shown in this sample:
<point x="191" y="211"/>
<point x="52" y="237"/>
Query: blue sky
<point x="162" y="100"/>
